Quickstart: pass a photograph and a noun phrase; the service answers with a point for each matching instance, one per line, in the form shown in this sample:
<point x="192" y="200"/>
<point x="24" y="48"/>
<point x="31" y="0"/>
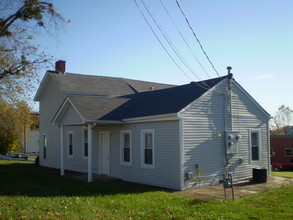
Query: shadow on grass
<point x="20" y="179"/>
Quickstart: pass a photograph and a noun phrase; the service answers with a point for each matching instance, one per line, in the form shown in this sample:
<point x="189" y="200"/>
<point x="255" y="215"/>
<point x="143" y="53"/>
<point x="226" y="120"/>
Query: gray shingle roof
<point x="157" y="102"/>
<point x="102" y="85"/>
<point x="93" y="108"/>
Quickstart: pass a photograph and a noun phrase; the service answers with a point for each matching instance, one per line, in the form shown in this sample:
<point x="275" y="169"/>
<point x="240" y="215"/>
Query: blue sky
<point x="111" y="38"/>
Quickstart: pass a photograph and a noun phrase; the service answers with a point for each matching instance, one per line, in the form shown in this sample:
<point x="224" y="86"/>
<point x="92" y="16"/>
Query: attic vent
<point x="152" y="88"/>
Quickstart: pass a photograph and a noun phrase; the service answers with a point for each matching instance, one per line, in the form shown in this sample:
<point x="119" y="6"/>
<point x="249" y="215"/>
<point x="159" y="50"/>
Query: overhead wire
<point x="168" y="39"/>
<point x="175" y="50"/>
<point x="187" y="44"/>
<point x="190" y="27"/>
<point x="173" y="47"/>
<point x="160" y="41"/>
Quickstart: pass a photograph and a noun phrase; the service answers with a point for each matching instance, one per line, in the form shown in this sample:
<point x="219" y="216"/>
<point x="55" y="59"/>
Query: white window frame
<point x="259" y="145"/>
<point x="288" y="148"/>
<point x="83" y="142"/>
<point x="122" y="133"/>
<point x="44" y="146"/>
<point x="143" y="133"/>
<point x="70" y="133"/>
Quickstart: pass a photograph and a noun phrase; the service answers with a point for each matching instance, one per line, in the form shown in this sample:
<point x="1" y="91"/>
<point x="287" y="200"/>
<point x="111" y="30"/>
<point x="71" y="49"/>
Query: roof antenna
<point x="229" y="72"/>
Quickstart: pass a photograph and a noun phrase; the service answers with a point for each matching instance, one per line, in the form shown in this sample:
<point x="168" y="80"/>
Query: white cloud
<point x="263" y="76"/>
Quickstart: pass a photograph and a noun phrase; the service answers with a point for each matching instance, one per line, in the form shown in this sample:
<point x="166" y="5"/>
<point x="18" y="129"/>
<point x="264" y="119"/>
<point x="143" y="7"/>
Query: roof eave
<point x="107" y="122"/>
<point x="162" y="117"/>
<point x="202" y="96"/>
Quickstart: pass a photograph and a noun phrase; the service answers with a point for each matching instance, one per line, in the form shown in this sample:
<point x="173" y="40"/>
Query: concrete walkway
<point x="240" y="189"/>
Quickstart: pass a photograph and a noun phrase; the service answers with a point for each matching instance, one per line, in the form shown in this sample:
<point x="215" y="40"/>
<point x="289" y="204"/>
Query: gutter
<point x="163" y="117"/>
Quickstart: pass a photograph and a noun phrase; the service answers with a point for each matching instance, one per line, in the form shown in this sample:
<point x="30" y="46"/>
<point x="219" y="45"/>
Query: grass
<point x="31" y="192"/>
<point x="287" y="174"/>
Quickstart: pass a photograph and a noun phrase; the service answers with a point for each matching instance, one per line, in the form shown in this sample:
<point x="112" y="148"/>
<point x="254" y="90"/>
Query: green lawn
<point x="287" y="174"/>
<point x="31" y="192"/>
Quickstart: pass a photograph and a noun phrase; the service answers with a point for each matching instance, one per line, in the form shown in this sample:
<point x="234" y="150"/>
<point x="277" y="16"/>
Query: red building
<point x="282" y="149"/>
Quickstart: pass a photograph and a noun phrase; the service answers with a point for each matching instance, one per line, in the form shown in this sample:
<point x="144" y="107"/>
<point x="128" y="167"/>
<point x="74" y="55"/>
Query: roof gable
<point x="61" y="115"/>
<point x="42" y="87"/>
<point x="251" y="99"/>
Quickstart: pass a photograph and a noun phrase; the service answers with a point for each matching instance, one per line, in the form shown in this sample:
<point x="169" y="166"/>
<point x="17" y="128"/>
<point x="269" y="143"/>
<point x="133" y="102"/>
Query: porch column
<point x="90" y="154"/>
<point x="61" y="151"/>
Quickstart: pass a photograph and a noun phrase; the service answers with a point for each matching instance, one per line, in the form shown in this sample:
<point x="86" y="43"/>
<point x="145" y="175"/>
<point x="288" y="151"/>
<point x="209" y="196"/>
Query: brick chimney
<point x="60" y="66"/>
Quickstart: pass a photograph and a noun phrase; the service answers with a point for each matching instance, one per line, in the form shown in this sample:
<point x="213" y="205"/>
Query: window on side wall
<point x="125" y="149"/>
<point x="147" y="142"/>
<point x="70" y="143"/>
<point x="85" y="146"/>
<point x="255" y="145"/>
<point x="44" y="145"/>
<point x="288" y="152"/>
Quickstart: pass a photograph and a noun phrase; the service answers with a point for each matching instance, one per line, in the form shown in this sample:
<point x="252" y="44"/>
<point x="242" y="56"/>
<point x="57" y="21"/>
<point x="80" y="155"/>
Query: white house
<point x="157" y="134"/>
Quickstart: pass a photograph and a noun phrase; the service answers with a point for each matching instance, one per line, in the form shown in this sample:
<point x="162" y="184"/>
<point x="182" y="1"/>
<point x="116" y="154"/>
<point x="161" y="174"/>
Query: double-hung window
<point x="125" y="143"/>
<point x="255" y="145"/>
<point x="44" y="145"/>
<point x="70" y="143"/>
<point x="147" y="145"/>
<point x="85" y="144"/>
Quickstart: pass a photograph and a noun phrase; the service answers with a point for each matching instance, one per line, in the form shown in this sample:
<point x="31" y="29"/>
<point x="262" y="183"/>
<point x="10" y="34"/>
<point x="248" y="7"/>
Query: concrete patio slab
<point x="241" y="189"/>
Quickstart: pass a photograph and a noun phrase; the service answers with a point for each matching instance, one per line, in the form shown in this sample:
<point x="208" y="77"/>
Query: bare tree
<point x="20" y="58"/>
<point x="281" y="121"/>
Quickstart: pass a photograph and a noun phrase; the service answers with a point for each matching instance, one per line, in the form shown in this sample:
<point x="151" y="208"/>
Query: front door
<point x="105" y="153"/>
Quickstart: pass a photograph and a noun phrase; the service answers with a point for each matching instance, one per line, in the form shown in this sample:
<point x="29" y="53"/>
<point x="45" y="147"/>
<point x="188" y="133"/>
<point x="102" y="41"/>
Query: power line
<point x="160" y="40"/>
<point x="184" y="38"/>
<point x="207" y="86"/>
<point x="173" y="47"/>
<point x="168" y="39"/>
<point x="189" y="25"/>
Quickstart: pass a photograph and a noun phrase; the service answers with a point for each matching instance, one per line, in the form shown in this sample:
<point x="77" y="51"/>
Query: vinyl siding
<point x="77" y="162"/>
<point x="50" y="101"/>
<point x="248" y="117"/>
<point x="204" y="125"/>
<point x="201" y="123"/>
<point x="166" y="171"/>
<point x="71" y="117"/>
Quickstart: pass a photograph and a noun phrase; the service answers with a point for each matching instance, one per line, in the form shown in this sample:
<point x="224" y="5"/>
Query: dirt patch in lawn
<point x="241" y="189"/>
